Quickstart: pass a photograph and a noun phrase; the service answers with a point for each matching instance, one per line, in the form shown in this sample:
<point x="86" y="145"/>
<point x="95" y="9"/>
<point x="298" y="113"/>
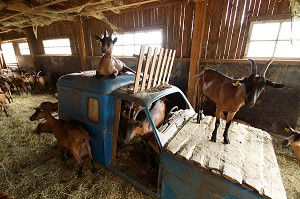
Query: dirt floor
<point x="31" y="165"/>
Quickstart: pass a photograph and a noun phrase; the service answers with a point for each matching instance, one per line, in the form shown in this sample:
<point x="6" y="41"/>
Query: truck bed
<point x="248" y="160"/>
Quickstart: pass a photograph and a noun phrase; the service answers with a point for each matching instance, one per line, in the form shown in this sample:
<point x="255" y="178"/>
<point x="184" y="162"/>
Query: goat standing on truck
<point x="229" y="94"/>
<point x="109" y="65"/>
<point x="69" y="138"/>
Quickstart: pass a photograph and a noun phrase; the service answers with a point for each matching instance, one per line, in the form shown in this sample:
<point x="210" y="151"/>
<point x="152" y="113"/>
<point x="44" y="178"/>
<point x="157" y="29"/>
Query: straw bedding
<point x="31" y="165"/>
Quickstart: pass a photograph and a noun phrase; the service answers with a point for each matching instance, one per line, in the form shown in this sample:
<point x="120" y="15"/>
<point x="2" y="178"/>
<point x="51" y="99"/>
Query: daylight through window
<point x="24" y="48"/>
<point x="130" y="43"/>
<point x="57" y="47"/>
<point x="278" y="39"/>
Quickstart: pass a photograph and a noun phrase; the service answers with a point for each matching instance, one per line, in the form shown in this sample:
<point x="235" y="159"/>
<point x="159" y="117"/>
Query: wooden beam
<point x="37" y="7"/>
<point x="199" y="22"/>
<point x="81" y="44"/>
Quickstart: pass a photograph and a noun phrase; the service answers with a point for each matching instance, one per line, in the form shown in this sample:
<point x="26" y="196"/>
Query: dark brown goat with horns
<point x="109" y="65"/>
<point x="230" y="94"/>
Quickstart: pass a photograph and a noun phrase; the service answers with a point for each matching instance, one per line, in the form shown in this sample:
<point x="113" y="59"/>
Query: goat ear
<point x="288" y="129"/>
<point x="274" y="85"/>
<point x="115" y="40"/>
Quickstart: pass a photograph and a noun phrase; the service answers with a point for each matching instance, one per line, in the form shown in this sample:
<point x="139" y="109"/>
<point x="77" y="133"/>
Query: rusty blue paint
<point x="184" y="179"/>
<point x="178" y="178"/>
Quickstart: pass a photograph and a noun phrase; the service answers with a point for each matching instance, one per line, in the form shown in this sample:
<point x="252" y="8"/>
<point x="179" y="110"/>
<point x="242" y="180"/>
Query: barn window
<point x="277" y="39"/>
<point x="130" y="43"/>
<point x="57" y="47"/>
<point x="9" y="53"/>
<point x="24" y="48"/>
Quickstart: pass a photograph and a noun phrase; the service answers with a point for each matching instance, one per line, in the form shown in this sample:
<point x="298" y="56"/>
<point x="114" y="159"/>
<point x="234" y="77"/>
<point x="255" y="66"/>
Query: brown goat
<point x="43" y="80"/>
<point x="109" y="65"/>
<point x="49" y="106"/>
<point x="43" y="127"/>
<point x="31" y="79"/>
<point x="20" y="84"/>
<point x="69" y="138"/>
<point x="294" y="141"/>
<point x="6" y="89"/>
<point x="143" y="128"/>
<point x="228" y="94"/>
<point x="4" y="195"/>
<point x="3" y="102"/>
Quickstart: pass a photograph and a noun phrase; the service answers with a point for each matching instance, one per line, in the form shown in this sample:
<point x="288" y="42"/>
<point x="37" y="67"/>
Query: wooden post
<point x="116" y="128"/>
<point x="199" y="24"/>
<point x="80" y="38"/>
<point x="35" y="46"/>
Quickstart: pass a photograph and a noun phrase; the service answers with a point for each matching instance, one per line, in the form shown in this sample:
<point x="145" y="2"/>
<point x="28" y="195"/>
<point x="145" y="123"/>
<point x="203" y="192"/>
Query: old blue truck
<point x="188" y="164"/>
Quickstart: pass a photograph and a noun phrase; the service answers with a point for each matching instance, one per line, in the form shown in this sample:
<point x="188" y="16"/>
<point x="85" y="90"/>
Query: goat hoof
<point x="213" y="139"/>
<point x="94" y="170"/>
<point x="226" y="141"/>
<point x="113" y="76"/>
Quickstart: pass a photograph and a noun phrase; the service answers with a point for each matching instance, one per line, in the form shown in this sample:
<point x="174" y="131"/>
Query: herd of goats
<point x="227" y="93"/>
<point x="21" y="83"/>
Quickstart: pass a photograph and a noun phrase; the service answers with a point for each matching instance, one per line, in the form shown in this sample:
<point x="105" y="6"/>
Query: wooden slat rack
<point x="154" y="69"/>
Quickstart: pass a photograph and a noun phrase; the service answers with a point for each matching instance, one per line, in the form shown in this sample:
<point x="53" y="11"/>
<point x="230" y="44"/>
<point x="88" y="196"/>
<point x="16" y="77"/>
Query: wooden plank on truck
<point x="249" y="159"/>
<point x="139" y="69"/>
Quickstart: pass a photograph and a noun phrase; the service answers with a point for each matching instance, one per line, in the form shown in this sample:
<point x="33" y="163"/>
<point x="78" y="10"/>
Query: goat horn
<point x="263" y="72"/>
<point x="136" y="114"/>
<point x="105" y="33"/>
<point x="253" y="67"/>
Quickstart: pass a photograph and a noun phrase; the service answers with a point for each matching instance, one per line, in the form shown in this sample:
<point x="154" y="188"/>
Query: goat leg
<point x="79" y="173"/>
<point x="94" y="170"/>
<point x="200" y="108"/>
<point x="5" y="110"/>
<point x="225" y="135"/>
<point x="214" y="133"/>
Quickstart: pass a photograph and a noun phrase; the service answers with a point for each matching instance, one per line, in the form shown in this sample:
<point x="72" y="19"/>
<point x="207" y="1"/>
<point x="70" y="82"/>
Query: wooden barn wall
<point x="175" y="19"/>
<point x="227" y="25"/>
<point x="57" y="65"/>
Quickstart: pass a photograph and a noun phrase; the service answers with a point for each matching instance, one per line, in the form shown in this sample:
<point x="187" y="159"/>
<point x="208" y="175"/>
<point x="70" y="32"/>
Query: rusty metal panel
<point x="183" y="179"/>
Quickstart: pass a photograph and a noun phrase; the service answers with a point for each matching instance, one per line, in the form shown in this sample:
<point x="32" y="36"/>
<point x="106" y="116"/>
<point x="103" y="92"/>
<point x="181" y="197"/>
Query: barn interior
<point x="205" y="34"/>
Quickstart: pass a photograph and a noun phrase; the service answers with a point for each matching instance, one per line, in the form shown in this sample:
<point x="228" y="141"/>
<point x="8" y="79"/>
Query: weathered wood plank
<point x="171" y="66"/>
<point x="165" y="72"/>
<point x="200" y="13"/>
<point x="214" y="33"/>
<point x="231" y="24"/>
<point x="237" y="28"/>
<point x="158" y="66"/>
<point x="152" y="68"/>
<point x="194" y="140"/>
<point x="181" y="137"/>
<point x="139" y="69"/>
<point x="146" y="68"/>
<point x="248" y="160"/>
<point x="162" y="67"/>
<point x="244" y="30"/>
<point x="201" y="149"/>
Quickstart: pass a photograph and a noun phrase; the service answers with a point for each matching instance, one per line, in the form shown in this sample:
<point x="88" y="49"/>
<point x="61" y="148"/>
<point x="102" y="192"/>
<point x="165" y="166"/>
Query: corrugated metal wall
<point x="227" y="25"/>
